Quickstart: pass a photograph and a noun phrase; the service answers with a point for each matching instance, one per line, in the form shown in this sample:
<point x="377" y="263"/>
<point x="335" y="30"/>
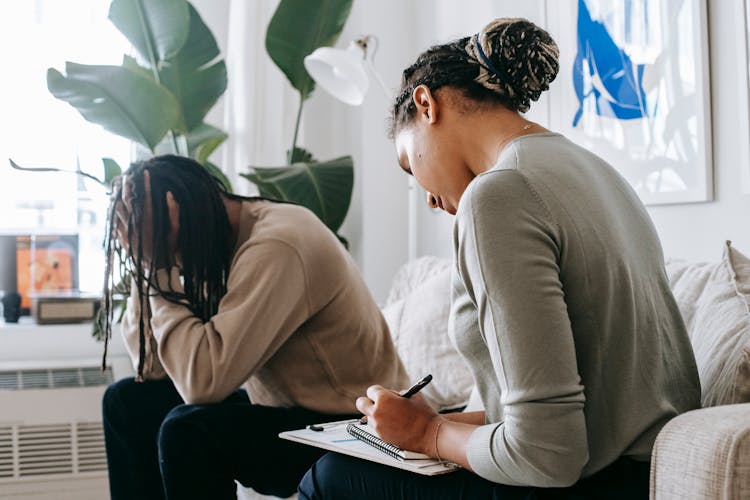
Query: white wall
<point x="691" y="231"/>
<point x="696" y="231"/>
<point x="377" y="223"/>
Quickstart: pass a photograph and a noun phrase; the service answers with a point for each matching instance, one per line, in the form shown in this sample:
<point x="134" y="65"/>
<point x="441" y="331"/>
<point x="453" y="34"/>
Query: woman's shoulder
<point x="498" y="188"/>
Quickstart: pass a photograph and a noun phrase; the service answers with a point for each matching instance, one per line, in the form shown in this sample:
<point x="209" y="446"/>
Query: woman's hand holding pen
<point x="409" y="423"/>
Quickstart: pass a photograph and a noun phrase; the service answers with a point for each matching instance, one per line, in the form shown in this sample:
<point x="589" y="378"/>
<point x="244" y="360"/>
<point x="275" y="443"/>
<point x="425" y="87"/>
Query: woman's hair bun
<point x="518" y="60"/>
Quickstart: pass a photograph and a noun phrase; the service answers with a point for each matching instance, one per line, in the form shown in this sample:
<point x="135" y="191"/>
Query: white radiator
<point x="51" y="436"/>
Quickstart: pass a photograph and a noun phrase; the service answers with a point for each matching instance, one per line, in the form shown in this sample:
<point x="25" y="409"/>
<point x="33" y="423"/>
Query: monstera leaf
<point x="203" y="140"/>
<point x="111" y="170"/>
<point x="122" y="100"/>
<point x="323" y="187"/>
<point x="161" y="99"/>
<point x="157" y="29"/>
<point x="297" y="28"/>
<point x="192" y="75"/>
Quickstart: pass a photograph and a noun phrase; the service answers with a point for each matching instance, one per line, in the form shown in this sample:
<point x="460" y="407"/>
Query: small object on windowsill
<point x="11" y="307"/>
<point x="66" y="307"/>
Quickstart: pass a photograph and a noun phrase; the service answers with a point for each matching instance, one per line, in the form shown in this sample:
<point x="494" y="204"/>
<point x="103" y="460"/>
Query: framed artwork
<point x="40" y="264"/>
<point x="633" y="88"/>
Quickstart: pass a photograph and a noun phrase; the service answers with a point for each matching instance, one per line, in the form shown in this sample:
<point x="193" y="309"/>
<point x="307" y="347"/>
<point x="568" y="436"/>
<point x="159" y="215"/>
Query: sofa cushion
<point x="417" y="314"/>
<point x="714" y="299"/>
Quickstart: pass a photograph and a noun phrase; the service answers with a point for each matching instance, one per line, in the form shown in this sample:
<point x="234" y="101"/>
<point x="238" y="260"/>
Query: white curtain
<point x="260" y="103"/>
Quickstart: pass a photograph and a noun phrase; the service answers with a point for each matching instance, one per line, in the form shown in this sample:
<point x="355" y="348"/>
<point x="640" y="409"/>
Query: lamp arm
<point x="383" y="87"/>
<point x="364" y="44"/>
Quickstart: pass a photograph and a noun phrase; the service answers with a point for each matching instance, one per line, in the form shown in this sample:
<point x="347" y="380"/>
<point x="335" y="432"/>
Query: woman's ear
<point x="427" y="106"/>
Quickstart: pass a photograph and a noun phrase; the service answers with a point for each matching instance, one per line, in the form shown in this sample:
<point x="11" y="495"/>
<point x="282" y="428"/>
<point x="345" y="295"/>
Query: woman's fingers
<point x="365" y="405"/>
<point x="374" y="392"/>
<point x="368" y="404"/>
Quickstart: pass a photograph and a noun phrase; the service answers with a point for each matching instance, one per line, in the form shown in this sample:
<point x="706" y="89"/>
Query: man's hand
<point x="125" y="209"/>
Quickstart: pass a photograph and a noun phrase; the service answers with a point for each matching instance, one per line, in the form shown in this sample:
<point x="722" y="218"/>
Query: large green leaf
<point x="216" y="172"/>
<point x="301" y="155"/>
<point x="193" y="76"/>
<point x="203" y="140"/>
<point x="323" y="187"/>
<point x="111" y="170"/>
<point x="121" y="100"/>
<point x="297" y="28"/>
<point x="157" y="28"/>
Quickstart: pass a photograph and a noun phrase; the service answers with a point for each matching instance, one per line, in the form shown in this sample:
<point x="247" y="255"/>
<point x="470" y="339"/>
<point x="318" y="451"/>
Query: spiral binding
<point x="375" y="442"/>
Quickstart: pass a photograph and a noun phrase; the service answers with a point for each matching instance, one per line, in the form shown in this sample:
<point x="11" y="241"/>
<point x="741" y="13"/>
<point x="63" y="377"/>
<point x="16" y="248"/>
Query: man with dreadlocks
<point x="229" y="291"/>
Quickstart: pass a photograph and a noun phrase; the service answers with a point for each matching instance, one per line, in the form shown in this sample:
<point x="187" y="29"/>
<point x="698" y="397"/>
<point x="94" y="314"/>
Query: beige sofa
<point x="703" y="454"/>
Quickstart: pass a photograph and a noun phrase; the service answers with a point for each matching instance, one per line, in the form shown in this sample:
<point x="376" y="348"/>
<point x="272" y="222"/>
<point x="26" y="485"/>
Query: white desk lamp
<point x="343" y="74"/>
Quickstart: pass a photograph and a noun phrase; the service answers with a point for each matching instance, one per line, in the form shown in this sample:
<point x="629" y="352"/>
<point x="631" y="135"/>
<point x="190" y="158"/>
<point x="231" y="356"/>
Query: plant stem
<point x="53" y="169"/>
<point x="296" y="129"/>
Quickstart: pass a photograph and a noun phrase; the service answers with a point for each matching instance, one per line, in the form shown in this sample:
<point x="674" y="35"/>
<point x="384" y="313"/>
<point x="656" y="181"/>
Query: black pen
<point x="417" y="387"/>
<point x="408" y="392"/>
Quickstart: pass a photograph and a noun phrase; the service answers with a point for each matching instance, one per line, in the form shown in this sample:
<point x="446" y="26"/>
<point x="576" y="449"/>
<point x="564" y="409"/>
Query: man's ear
<point x="427" y="106"/>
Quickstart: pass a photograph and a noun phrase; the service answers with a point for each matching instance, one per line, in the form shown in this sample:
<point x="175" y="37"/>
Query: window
<point x="37" y="130"/>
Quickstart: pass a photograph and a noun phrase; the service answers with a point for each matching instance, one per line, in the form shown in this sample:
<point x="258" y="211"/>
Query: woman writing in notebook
<point x="229" y="291"/>
<point x="560" y="301"/>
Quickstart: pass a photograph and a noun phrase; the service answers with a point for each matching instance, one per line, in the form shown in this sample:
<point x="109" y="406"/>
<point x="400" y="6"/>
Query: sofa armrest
<point x="703" y="454"/>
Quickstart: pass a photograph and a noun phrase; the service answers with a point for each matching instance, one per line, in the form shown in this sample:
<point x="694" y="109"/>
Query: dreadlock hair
<point x="204" y="240"/>
<point x="509" y="63"/>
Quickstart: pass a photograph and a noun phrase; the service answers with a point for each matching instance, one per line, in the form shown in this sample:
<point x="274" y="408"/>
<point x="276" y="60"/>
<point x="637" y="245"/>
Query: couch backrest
<point x="714" y="299"/>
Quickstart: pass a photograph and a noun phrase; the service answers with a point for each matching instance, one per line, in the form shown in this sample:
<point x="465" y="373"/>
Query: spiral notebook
<point x="368" y="435"/>
<point x="337" y="436"/>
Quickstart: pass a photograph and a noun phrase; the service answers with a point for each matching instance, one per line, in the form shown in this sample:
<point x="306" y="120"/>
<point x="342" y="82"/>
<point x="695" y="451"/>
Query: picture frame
<point x="34" y="264"/>
<point x="634" y="88"/>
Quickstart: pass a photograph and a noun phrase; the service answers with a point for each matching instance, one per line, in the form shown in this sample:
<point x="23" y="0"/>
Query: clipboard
<point x="335" y="437"/>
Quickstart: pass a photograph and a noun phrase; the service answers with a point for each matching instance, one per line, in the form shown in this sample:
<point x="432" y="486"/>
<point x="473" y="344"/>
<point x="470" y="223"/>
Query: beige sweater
<point x="297" y="325"/>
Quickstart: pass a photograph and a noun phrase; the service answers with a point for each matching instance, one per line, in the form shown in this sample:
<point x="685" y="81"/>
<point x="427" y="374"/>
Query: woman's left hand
<point x="409" y="423"/>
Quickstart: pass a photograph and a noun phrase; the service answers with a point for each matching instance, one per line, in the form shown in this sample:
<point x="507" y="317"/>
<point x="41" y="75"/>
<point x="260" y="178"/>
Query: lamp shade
<point x="339" y="72"/>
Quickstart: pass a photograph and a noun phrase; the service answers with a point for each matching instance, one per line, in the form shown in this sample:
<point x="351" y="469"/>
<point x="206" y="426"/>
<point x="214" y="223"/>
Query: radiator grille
<point x="91" y="454"/>
<point x="6" y="451"/>
<point x="38" y="450"/>
<point x="45" y="449"/>
<point x="55" y="378"/>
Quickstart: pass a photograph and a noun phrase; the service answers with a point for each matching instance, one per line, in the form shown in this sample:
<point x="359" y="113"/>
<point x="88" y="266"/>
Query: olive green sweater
<point x="297" y="326"/>
<point x="563" y="311"/>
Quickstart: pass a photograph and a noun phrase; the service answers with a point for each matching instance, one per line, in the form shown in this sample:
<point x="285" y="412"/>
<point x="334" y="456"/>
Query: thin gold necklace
<point x="505" y="141"/>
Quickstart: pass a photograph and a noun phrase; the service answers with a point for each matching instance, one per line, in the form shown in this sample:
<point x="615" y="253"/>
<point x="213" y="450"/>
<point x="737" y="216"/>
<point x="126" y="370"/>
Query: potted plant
<point x="160" y="98"/>
<point x="297" y="28"/>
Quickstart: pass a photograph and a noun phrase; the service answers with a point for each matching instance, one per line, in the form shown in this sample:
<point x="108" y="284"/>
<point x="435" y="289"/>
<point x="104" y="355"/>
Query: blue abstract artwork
<point x="634" y="89"/>
<point x="605" y="73"/>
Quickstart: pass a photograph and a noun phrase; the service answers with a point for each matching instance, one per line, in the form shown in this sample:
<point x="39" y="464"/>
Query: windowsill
<point x="26" y="345"/>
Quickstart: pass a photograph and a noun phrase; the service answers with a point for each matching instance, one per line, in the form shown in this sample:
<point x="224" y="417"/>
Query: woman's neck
<point x="486" y="133"/>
